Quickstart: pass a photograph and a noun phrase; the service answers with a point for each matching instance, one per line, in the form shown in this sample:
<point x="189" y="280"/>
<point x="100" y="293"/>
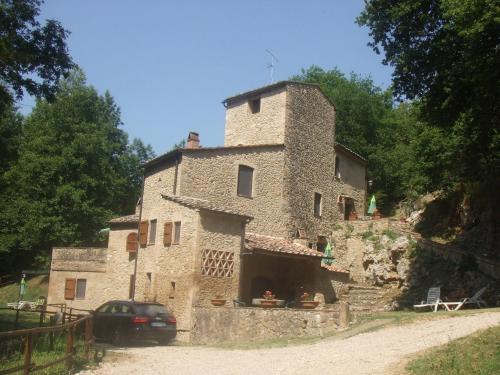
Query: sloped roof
<point x="271" y="87"/>
<point x="202" y="204"/>
<point x="341" y="147"/>
<point x="125" y="219"/>
<point x="333" y="268"/>
<point x="255" y="241"/>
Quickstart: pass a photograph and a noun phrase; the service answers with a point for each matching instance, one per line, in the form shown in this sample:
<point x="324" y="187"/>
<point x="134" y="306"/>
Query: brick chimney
<point x="193" y="140"/>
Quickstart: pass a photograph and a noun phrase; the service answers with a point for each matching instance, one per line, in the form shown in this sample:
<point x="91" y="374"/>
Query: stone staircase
<point x="365" y="298"/>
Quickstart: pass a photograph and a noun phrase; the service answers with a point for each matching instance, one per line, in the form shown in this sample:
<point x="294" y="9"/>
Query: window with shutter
<point x="177" y="232"/>
<point x="167" y="234"/>
<point x="69" y="289"/>
<point x="143" y="233"/>
<point x="81" y="286"/>
<point x="152" y="232"/>
<point x="132" y="242"/>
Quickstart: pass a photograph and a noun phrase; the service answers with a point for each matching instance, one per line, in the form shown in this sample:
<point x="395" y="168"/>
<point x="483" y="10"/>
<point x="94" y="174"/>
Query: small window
<point x="152" y="232"/>
<point x="337" y="167"/>
<point x="245" y="180"/>
<point x="171" y="293"/>
<point x="254" y="105"/>
<point x="81" y="285"/>
<point x="177" y="232"/>
<point x="317" y="204"/>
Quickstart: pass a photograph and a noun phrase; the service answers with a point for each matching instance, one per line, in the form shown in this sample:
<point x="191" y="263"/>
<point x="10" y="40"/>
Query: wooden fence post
<point x="16" y="322"/>
<point x="88" y="337"/>
<point x="69" y="347"/>
<point x="28" y="349"/>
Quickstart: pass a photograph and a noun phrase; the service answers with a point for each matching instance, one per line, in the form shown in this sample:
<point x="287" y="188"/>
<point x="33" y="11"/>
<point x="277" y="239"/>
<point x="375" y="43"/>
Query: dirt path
<point x="371" y="353"/>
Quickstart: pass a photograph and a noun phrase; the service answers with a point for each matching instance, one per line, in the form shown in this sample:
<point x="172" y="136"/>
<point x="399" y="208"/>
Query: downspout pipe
<point x="138" y="237"/>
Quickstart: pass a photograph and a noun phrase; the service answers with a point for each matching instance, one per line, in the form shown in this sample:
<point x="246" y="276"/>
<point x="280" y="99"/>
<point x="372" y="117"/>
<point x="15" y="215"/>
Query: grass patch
<point x="36" y="287"/>
<point x="475" y="354"/>
<point x="367" y="235"/>
<point x="390" y="233"/>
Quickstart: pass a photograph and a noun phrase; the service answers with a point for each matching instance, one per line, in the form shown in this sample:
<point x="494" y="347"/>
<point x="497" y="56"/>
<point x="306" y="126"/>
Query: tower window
<point x="254" y="105"/>
<point x="317" y="204"/>
<point x="245" y="179"/>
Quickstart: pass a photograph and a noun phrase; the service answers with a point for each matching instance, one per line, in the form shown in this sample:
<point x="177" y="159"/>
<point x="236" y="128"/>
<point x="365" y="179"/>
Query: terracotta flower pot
<point x="268" y="303"/>
<point x="218" y="302"/>
<point x="309" y="304"/>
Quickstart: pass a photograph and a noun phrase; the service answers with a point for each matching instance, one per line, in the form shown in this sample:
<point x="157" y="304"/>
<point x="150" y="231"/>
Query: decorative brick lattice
<point x="217" y="263"/>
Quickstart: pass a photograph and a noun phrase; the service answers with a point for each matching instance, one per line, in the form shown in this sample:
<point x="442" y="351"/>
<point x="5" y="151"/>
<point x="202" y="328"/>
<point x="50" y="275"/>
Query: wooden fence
<point x="82" y="325"/>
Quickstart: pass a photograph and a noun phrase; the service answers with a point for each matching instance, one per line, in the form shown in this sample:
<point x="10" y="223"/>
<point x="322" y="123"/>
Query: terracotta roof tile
<point x="126" y="219"/>
<point x="202" y="204"/>
<point x="278" y="245"/>
<point x="334" y="268"/>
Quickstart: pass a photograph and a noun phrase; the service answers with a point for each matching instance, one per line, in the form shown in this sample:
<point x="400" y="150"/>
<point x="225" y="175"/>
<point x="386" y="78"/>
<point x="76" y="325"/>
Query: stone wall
<point x="213" y="175"/>
<point x="226" y="324"/>
<point x="171" y="268"/>
<point x="222" y="233"/>
<point x="265" y="127"/>
<point x="309" y="160"/>
<point x="352" y="183"/>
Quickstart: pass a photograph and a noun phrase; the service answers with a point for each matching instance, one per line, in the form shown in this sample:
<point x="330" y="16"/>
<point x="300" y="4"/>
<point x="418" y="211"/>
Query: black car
<point x="124" y="321"/>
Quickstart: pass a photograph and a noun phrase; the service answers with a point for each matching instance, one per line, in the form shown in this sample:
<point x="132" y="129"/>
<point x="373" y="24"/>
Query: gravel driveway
<point x="367" y="353"/>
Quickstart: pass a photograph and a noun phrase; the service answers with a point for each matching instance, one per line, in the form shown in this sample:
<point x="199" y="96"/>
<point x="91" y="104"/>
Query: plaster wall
<point x="265" y="127"/>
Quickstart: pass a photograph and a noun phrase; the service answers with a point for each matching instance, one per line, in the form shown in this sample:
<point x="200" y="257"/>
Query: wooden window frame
<point x="143" y="233"/>
<point x="132" y="243"/>
<point x="69" y="291"/>
<point x="167" y="233"/>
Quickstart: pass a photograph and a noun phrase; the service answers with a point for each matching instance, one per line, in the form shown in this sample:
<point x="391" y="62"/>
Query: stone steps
<point x="365" y="298"/>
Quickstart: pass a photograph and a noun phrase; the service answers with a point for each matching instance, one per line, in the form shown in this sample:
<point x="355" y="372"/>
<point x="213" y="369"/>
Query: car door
<point x="122" y="315"/>
<point x="100" y="319"/>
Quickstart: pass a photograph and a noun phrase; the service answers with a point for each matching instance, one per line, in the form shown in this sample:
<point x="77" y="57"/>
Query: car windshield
<point x="150" y="310"/>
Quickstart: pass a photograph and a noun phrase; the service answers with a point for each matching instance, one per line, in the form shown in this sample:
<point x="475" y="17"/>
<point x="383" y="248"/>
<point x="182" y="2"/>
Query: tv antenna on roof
<point x="271" y="66"/>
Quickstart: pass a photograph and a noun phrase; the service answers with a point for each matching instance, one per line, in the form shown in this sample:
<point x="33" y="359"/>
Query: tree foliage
<point x="446" y="55"/>
<point x="32" y="56"/>
<point x="75" y="169"/>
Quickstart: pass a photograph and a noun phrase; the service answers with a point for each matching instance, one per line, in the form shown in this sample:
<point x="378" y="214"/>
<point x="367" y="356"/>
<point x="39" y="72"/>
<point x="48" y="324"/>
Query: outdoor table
<point x="257" y="302"/>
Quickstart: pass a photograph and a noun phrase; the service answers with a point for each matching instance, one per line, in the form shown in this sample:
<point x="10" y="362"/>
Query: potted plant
<point x="218" y="300"/>
<point x="307" y="301"/>
<point x="269" y="299"/>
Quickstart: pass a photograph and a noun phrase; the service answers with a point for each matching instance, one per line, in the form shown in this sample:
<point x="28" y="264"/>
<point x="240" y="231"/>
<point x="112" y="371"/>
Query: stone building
<point x="231" y="221"/>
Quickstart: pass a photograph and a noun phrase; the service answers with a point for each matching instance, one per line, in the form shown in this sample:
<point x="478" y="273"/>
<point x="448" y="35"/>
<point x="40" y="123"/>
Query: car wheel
<point x="164" y="341"/>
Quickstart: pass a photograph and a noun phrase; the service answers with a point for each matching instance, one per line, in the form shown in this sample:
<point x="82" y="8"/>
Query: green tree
<point x="446" y="54"/>
<point x="74" y="171"/>
<point x="361" y="106"/>
<point x="32" y="56"/>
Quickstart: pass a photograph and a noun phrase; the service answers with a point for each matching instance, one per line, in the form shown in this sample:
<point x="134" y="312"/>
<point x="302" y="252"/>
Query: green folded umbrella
<point x="328" y="255"/>
<point x="373" y="205"/>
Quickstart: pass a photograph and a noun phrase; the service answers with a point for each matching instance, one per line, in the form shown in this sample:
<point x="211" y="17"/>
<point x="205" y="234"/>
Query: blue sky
<point x="169" y="64"/>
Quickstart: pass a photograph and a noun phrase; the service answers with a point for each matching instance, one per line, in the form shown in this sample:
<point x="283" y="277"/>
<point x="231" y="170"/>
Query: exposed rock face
<point x="386" y="260"/>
